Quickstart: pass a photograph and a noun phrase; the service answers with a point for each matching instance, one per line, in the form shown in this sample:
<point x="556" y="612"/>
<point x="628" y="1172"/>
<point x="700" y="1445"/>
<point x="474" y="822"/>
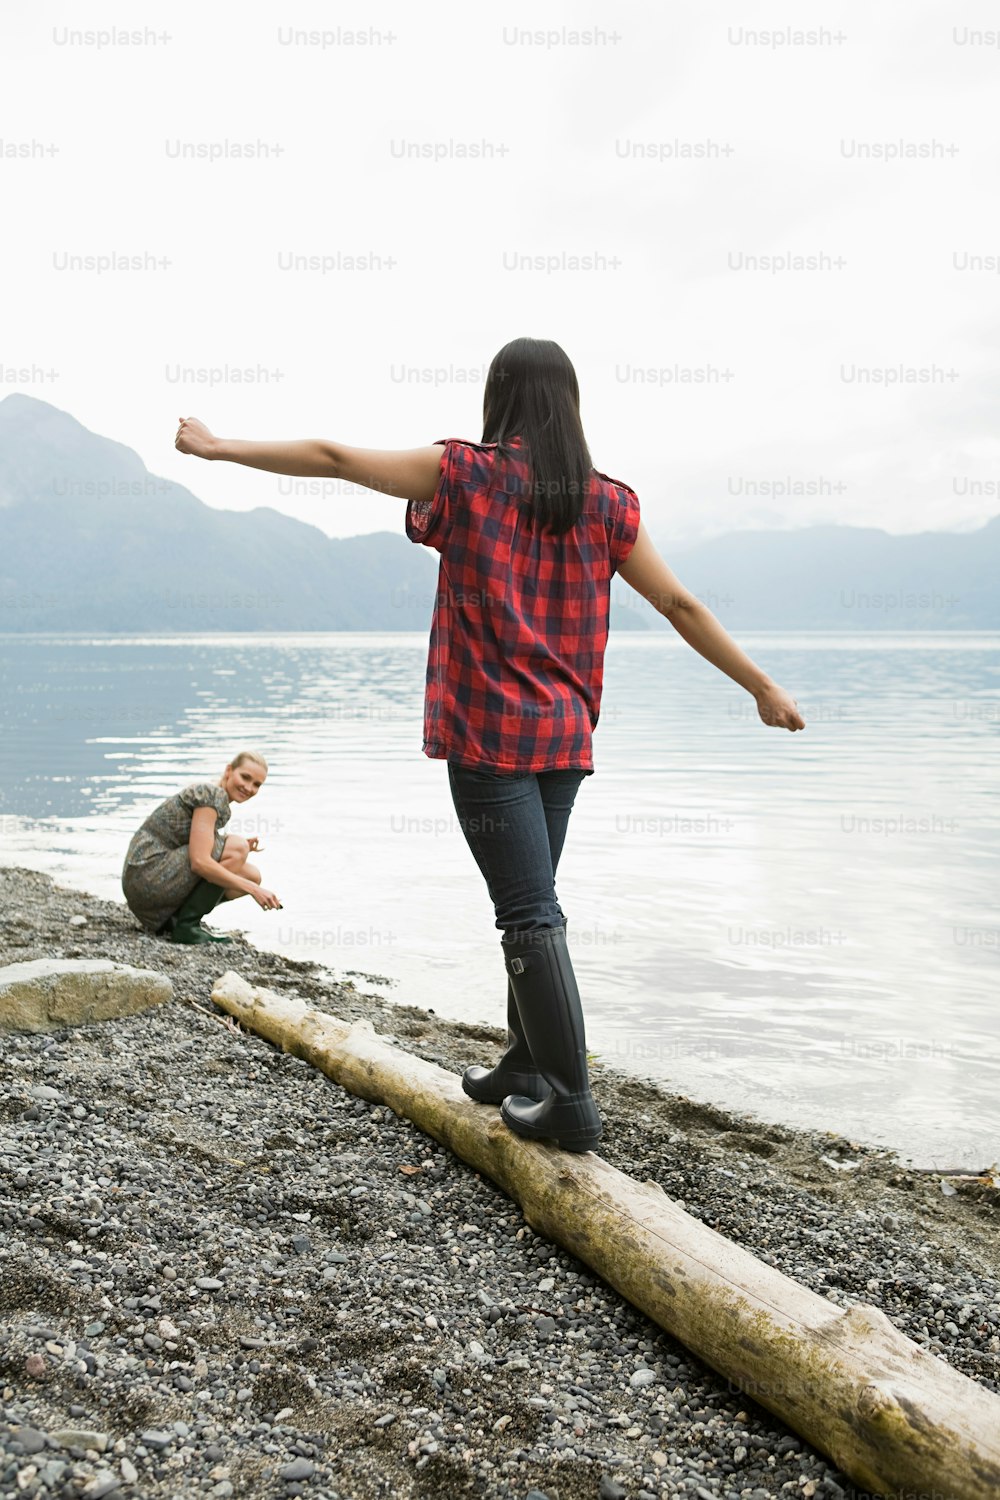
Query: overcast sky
<point x="674" y="147"/>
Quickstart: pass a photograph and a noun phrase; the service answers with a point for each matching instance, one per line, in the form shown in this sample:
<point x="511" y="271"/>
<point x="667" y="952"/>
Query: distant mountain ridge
<point x="91" y="541"/>
<point x="848" y="578"/>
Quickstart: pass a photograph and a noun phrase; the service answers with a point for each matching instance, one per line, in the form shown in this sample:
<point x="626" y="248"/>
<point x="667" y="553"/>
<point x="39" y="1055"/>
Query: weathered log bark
<point x="896" y="1419"/>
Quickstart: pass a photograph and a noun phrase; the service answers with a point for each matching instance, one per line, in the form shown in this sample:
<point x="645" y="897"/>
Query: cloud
<point x="447" y="149"/>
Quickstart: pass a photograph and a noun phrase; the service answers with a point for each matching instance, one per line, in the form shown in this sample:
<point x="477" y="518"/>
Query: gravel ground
<point x="221" y="1274"/>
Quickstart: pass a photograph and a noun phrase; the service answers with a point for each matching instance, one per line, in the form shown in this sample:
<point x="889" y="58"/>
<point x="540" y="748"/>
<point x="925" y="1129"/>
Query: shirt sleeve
<point x="429" y="521"/>
<point x="624" y="527"/>
<point x="204" y="794"/>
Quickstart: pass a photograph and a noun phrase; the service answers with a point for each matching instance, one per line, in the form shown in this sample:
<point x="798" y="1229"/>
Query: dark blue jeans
<point x="515" y="824"/>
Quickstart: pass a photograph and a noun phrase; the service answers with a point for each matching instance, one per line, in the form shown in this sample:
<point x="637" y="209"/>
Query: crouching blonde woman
<point x="180" y="864"/>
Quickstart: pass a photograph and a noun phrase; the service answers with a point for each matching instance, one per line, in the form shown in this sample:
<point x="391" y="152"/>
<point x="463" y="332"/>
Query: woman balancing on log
<point x="529" y="535"/>
<point x="180" y="864"/>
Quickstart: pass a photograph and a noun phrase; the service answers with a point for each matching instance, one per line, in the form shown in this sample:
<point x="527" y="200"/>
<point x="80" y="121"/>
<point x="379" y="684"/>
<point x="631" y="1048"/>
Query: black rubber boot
<point x="185" y="924"/>
<point x="548" y="1002"/>
<point x="515" y="1073"/>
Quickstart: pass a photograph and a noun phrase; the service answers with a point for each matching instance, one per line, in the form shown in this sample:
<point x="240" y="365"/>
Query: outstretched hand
<point x="265" y="898"/>
<point x="779" y="709"/>
<point x="194" y="437"/>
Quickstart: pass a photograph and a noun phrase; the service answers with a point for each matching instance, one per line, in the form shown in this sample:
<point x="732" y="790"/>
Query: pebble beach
<point x="221" y="1274"/>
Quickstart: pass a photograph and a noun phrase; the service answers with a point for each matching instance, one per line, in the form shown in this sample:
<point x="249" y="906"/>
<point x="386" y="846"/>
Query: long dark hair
<point x="532" y="392"/>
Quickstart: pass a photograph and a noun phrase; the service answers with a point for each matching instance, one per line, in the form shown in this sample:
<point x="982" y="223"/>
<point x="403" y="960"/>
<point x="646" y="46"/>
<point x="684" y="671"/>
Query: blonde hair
<point x="253" y="755"/>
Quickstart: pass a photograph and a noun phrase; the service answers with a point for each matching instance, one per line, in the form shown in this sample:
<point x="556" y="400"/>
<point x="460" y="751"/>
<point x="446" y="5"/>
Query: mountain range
<point x="90" y="541"/>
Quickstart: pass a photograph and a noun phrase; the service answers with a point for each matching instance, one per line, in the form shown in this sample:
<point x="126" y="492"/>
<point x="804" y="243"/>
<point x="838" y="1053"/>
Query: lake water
<point x="802" y="925"/>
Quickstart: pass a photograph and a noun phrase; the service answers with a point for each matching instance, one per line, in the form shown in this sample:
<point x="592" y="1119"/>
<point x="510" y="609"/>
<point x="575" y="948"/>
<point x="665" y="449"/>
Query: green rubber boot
<point x="185" y="924"/>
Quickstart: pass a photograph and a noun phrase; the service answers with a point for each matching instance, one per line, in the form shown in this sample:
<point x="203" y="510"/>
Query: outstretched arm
<point x="645" y="570"/>
<point x="407" y="473"/>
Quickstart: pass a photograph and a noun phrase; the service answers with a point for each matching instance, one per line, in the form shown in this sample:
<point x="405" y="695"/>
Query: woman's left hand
<point x="194" y="437"/>
<point x="255" y="848"/>
<point x="778" y="708"/>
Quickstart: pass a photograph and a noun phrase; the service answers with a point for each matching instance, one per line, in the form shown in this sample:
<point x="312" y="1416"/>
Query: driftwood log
<point x="897" y="1420"/>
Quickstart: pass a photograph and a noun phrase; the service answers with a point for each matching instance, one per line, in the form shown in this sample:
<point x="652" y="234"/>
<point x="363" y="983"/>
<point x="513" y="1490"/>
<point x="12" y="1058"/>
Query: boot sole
<point x="579" y="1144"/>
<point x="199" y="942"/>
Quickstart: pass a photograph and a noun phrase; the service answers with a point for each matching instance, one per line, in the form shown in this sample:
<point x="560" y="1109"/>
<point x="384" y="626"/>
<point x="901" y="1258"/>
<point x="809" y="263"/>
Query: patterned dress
<point x="157" y="877"/>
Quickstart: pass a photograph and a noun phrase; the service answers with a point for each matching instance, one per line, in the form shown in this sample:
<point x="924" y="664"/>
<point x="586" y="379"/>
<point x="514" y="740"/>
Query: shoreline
<point x="974" y="1153"/>
<point x="160" y="1185"/>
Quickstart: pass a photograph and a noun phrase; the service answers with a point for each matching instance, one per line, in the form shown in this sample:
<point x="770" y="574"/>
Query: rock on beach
<point x="420" y="1340"/>
<point x="48" y="993"/>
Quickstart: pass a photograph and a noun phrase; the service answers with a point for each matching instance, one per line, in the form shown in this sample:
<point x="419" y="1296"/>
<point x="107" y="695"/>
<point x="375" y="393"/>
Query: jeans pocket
<point x="490" y="778"/>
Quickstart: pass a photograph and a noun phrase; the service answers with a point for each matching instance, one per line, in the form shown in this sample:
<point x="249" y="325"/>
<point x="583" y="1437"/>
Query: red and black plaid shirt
<point x="516" y="661"/>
